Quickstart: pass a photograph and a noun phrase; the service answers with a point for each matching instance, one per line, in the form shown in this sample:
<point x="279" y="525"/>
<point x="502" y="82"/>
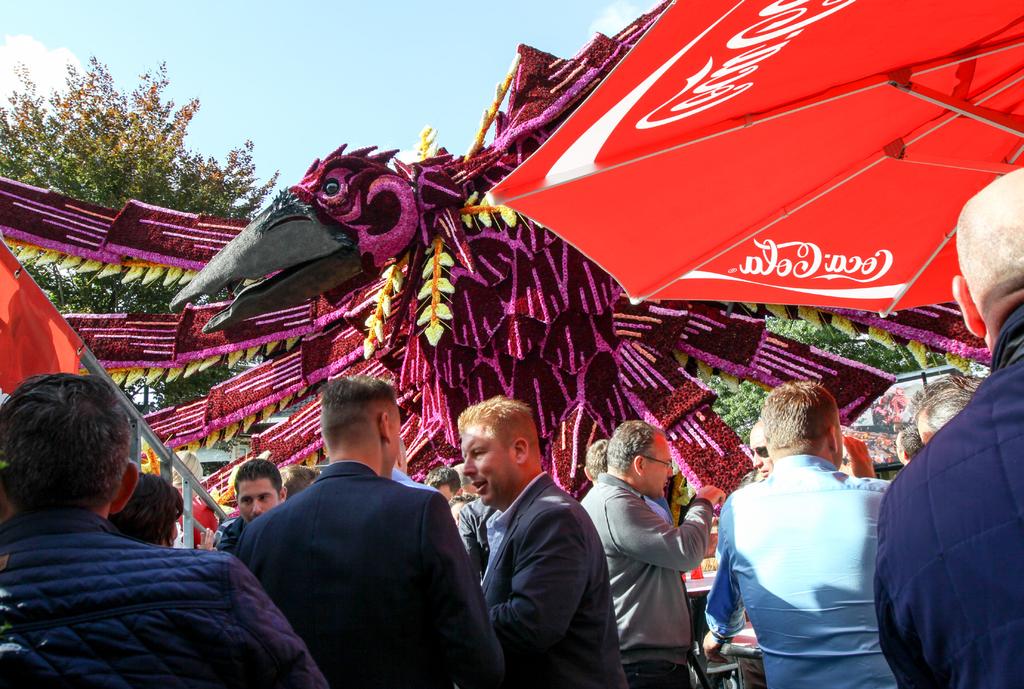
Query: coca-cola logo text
<point x="781" y="22"/>
<point x="807" y="260"/>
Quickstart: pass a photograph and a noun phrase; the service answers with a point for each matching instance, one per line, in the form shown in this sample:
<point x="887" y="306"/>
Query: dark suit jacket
<point x="230" y="534"/>
<point x="950" y="608"/>
<point x="373" y="576"/>
<point x="547" y="588"/>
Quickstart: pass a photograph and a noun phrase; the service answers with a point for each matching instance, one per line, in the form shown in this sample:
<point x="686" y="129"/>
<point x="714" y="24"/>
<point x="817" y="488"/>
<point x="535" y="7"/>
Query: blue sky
<point x="301" y="78"/>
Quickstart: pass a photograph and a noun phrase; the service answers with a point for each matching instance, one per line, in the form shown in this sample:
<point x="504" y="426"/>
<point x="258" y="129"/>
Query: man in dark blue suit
<point x="371" y="573"/>
<point x="546" y="581"/>
<point x="950" y="609"/>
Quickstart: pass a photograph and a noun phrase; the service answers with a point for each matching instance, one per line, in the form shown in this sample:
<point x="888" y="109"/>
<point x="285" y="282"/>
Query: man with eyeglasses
<point x="646" y="555"/>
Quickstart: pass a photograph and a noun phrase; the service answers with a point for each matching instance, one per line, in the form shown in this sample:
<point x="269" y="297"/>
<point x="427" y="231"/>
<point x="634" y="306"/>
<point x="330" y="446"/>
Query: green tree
<point x="740" y="407"/>
<point x="862" y="349"/>
<point x="97" y="143"/>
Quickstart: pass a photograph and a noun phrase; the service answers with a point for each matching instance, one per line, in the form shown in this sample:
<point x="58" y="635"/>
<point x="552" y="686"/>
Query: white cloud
<point x="47" y="67"/>
<point x="615" y="17"/>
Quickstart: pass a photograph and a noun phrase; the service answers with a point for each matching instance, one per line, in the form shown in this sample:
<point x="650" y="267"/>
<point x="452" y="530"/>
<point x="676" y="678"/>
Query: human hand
<point x="712" y="544"/>
<point x="860" y="461"/>
<point x="712" y="649"/>
<point x="712" y="494"/>
<point x="206" y="543"/>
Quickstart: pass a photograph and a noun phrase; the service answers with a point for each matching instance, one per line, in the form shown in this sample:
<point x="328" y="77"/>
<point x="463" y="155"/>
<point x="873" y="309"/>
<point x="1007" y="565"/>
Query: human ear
<point x="835" y="443"/>
<point x="972" y="316"/>
<point x="521" y="448"/>
<point x="129" y="479"/>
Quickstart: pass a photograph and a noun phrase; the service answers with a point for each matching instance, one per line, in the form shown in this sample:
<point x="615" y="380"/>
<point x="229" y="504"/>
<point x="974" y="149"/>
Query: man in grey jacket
<point x="646" y="555"/>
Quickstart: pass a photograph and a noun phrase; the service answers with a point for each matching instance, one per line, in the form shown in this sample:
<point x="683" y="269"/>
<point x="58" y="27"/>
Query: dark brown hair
<point x="444" y="476"/>
<point x="345" y="402"/>
<point x="64" y="439"/>
<point x="151" y="512"/>
<point x="255" y="469"/>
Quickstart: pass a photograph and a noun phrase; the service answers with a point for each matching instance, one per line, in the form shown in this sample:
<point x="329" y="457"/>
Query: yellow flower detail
<point x="920" y="353"/>
<point x="959" y="362"/>
<point x="882" y="337"/>
<point x="433" y="333"/>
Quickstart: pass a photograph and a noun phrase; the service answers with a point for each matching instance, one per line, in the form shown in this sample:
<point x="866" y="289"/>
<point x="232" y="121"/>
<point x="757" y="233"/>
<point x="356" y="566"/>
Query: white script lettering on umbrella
<point x="807" y="260"/>
<point x="781" y="20"/>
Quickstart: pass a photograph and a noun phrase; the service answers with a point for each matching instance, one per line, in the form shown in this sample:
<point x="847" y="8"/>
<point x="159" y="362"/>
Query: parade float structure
<point x="370" y="265"/>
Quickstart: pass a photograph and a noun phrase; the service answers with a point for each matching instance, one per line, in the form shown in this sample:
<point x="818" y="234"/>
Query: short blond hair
<point x="506" y="419"/>
<point x="796" y="414"/>
<point x="297" y="478"/>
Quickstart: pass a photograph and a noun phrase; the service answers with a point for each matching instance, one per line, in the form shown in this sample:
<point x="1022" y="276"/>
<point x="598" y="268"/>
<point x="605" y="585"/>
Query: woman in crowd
<point x="152" y="513"/>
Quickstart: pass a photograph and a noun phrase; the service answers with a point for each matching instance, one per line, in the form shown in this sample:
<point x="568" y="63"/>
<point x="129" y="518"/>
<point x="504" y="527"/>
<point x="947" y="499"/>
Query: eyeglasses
<point x="761" y="452"/>
<point x="670" y="465"/>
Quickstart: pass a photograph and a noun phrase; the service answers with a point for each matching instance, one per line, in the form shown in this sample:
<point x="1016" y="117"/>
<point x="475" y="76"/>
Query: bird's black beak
<point x="288" y="250"/>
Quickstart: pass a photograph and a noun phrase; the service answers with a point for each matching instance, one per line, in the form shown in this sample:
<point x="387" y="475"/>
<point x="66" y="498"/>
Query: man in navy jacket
<point x="951" y="531"/>
<point x="371" y="573"/>
<point x="546" y="580"/>
<point x="88" y="607"/>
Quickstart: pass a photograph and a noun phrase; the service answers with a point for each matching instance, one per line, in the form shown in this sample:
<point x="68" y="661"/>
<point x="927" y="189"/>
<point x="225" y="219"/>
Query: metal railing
<point x="141" y="431"/>
<point x="190" y="484"/>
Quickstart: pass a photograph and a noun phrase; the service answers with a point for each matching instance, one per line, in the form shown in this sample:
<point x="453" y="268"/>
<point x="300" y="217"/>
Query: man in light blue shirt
<point x="798" y="552"/>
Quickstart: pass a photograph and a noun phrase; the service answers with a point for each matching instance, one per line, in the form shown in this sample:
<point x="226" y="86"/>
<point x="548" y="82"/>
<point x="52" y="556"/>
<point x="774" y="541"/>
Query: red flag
<point x="34" y="338"/>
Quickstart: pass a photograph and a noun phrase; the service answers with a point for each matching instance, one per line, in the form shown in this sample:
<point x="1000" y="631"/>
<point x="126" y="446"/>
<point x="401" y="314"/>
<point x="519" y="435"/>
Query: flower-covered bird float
<point x="371" y="265"/>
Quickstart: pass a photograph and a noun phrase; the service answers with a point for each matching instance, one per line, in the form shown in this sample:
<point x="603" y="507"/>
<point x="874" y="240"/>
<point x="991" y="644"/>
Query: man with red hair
<point x="546" y="582"/>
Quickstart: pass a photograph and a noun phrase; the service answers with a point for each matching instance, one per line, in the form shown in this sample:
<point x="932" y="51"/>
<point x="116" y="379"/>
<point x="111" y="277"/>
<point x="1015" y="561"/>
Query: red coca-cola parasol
<point x="799" y="151"/>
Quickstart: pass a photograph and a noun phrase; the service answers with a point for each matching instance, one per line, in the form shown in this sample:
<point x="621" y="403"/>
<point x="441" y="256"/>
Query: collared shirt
<point x="799" y="550"/>
<point x="497" y="525"/>
<point x="646" y="557"/>
<point x="659" y="509"/>
<point x="399" y="476"/>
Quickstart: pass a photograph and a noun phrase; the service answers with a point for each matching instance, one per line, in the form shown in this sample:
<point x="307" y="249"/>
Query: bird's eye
<point x="331" y="187"/>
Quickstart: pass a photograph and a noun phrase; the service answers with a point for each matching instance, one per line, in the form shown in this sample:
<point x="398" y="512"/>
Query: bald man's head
<point x="990" y="243"/>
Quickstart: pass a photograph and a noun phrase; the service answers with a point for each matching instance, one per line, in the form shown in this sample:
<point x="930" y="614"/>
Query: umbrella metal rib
<point x="987" y="167"/>
<point x="960" y="107"/>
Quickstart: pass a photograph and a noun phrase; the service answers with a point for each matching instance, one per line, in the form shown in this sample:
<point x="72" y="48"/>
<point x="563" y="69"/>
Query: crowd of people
<point x="490" y="575"/>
